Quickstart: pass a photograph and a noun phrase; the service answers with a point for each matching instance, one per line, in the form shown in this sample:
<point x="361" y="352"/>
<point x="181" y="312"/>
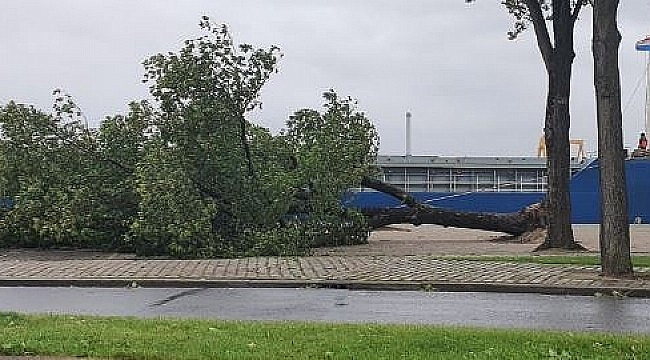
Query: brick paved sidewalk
<point x="397" y="258"/>
<point x="370" y="272"/>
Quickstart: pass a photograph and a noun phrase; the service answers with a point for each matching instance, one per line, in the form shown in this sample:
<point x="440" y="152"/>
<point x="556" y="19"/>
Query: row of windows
<point x="460" y="180"/>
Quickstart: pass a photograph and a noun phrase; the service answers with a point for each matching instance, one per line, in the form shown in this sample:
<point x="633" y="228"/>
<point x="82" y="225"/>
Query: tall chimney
<point x="408" y="134"/>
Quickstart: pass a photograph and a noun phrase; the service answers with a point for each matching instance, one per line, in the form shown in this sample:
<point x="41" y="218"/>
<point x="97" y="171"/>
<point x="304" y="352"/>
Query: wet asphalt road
<point x="413" y="307"/>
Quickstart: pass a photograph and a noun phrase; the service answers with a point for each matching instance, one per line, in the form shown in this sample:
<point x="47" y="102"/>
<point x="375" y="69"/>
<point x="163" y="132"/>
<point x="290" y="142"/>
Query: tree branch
<point x="576" y="10"/>
<point x="541" y="32"/>
<point x="391" y="190"/>
<point x="244" y="142"/>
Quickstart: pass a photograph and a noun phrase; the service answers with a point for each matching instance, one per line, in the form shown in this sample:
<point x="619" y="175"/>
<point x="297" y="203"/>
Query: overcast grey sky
<point x="470" y="90"/>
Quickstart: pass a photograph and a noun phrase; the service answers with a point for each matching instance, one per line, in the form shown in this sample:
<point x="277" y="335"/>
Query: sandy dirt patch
<point x="401" y="240"/>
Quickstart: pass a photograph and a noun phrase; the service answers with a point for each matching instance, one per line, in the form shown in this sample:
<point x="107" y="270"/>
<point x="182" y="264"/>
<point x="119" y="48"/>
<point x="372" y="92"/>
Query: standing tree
<point x="614" y="225"/>
<point x="558" y="58"/>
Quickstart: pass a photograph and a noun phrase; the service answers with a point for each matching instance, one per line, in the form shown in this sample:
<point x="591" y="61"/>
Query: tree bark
<point x="614" y="224"/>
<point x="416" y="213"/>
<point x="559" y="62"/>
<point x="513" y="224"/>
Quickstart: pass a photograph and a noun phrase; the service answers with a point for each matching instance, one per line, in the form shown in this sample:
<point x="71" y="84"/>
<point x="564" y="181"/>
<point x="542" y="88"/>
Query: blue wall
<point x="496" y="202"/>
<point x="585" y="192"/>
<point x="585" y="196"/>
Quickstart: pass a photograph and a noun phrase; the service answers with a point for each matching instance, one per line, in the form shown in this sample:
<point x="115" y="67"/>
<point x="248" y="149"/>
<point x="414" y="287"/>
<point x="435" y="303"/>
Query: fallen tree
<point x="416" y="213"/>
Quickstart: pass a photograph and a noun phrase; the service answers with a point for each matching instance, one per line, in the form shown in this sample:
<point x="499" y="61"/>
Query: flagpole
<point x="644" y="45"/>
<point x="647" y="93"/>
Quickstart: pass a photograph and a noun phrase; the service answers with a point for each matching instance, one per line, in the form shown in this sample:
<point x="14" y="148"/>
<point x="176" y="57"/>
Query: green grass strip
<point x="638" y="261"/>
<point x="128" y="338"/>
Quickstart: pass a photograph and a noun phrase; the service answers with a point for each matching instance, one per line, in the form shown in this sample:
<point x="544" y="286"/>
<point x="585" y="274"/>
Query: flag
<point x="643" y="45"/>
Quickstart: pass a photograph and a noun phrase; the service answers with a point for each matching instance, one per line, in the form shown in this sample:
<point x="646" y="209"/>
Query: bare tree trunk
<point x="558" y="59"/>
<point x="614" y="225"/>
<point x="556" y="130"/>
<point x="416" y="213"/>
<point x="556" y="133"/>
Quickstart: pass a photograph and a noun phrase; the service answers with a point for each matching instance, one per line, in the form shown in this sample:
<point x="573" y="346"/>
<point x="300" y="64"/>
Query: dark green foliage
<point x="201" y="195"/>
<point x="191" y="178"/>
<point x="342" y="228"/>
<point x="66" y="193"/>
<point x="334" y="150"/>
<point x="173" y="218"/>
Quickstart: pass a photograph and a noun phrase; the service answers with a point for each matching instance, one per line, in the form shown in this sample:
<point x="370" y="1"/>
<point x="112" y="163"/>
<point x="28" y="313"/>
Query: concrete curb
<point x="331" y="284"/>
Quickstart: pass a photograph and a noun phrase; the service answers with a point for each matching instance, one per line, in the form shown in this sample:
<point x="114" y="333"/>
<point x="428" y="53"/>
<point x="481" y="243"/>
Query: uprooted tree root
<point x="536" y="236"/>
<point x="574" y="246"/>
<point x="533" y="236"/>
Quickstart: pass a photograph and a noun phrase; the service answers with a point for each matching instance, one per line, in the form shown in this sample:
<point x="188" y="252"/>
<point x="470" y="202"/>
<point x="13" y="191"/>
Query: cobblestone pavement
<point x="393" y="260"/>
<point x="359" y="271"/>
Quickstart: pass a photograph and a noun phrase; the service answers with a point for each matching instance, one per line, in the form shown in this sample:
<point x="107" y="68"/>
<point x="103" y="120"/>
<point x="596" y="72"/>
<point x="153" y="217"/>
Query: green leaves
<point x="66" y="192"/>
<point x="207" y="153"/>
<point x="334" y="150"/>
<point x="212" y="68"/>
<point x="187" y="176"/>
<point x="173" y="218"/>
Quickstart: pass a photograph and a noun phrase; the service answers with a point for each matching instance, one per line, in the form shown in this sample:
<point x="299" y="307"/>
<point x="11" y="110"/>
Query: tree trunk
<point x="514" y="224"/>
<point x="556" y="130"/>
<point x="614" y="225"/>
<point x="416" y="213"/>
